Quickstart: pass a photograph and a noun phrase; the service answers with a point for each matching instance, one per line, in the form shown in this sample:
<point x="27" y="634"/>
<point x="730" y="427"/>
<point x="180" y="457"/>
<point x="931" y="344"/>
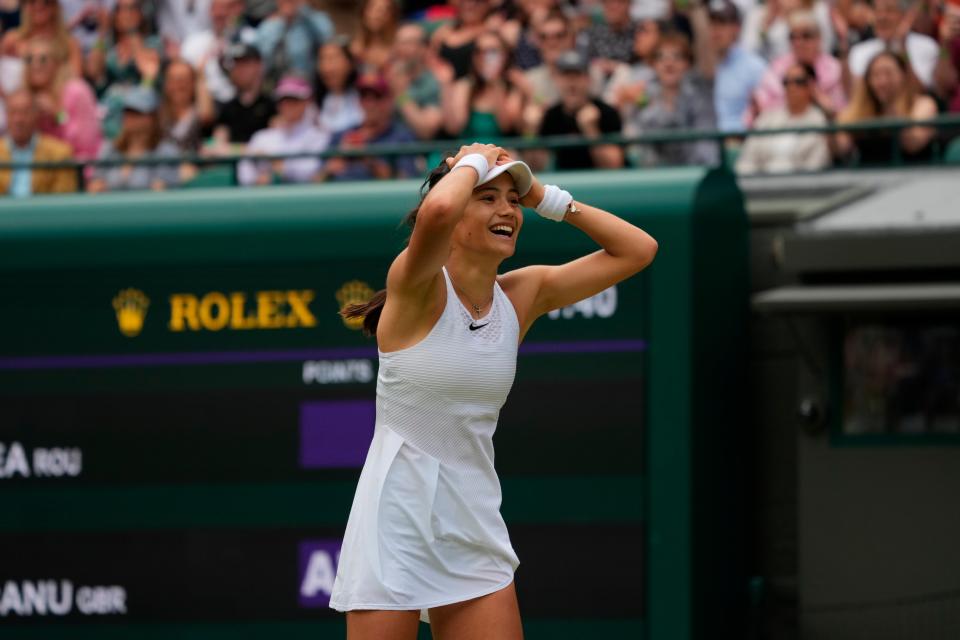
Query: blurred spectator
<point x="140" y="138"/>
<point x="293" y="132"/>
<point x="9" y="15"/>
<point x="610" y="42"/>
<point x="789" y="152"/>
<point x="378" y="127"/>
<point x="892" y="26"/>
<point x="186" y="108"/>
<point x="123" y="58"/>
<point x="251" y="109"/>
<point x="288" y="39"/>
<point x="806" y="48"/>
<point x="484" y="104"/>
<point x="177" y="19"/>
<point x="579" y="112"/>
<point x="626" y="87"/>
<point x="738" y="71"/>
<point x="416" y="89"/>
<point x="554" y="36"/>
<point x="454" y="42"/>
<point x="378" y="30"/>
<point x="766" y="29"/>
<point x="887" y="90"/>
<point x="948" y="68"/>
<point x="25" y="144"/>
<point x="66" y="107"/>
<point x="42" y="18"/>
<point x="260" y="10"/>
<point x="337" y="96"/>
<point x="853" y="23"/>
<point x="520" y="29"/>
<point x="677" y="99"/>
<point x="204" y="49"/>
<point x="655" y="9"/>
<point x="82" y="18"/>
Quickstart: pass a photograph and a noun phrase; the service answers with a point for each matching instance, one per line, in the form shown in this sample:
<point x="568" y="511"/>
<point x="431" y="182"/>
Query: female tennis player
<point x="425" y="539"/>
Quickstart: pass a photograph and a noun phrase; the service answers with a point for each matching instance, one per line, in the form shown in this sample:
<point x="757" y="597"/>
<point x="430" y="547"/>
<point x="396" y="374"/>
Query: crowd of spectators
<point x="181" y="79"/>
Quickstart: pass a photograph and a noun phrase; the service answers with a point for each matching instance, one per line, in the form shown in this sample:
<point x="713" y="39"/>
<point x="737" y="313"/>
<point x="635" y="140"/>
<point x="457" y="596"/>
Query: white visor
<point x="518" y="169"/>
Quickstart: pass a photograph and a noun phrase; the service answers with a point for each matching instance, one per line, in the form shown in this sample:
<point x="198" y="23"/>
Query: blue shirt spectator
<point x="289" y="39"/>
<point x="737" y="76"/>
<point x="738" y="71"/>
<point x="380" y="126"/>
<point x="20" y="186"/>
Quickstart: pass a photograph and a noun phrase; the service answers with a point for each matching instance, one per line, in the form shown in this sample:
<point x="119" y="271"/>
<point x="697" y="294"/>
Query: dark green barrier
<point x="183" y="413"/>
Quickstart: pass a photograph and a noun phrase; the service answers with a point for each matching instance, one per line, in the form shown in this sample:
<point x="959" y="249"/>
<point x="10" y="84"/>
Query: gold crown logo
<point x="131" y="307"/>
<point x="354" y="292"/>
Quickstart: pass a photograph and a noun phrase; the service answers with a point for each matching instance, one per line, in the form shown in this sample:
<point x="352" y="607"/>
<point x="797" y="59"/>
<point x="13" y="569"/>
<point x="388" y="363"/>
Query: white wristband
<point x="555" y="202"/>
<point x="477" y="162"/>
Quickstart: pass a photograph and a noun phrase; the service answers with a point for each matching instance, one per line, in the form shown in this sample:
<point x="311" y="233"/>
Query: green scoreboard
<point x="183" y="413"/>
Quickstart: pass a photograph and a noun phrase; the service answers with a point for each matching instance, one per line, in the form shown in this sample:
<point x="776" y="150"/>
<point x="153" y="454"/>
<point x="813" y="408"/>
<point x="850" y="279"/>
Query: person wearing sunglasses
<point x="789" y="152"/>
<point x="766" y="27"/>
<point x="66" y="106"/>
<point x="806" y="47"/>
<point x="379" y="126"/>
<point x="42" y="18"/>
<point x="554" y="36"/>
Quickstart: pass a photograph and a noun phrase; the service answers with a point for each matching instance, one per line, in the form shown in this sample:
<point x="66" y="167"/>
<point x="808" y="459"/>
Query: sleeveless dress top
<point x="425" y="528"/>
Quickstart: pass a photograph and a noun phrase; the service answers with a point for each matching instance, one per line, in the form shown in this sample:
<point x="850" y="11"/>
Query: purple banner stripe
<point x="582" y="346"/>
<point x="106" y="361"/>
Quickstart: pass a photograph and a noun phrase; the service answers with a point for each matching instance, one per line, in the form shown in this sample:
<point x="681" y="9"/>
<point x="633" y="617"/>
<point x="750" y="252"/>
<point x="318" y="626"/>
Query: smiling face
<point x="887" y="17"/>
<point x="671" y="62"/>
<point x="885" y="79"/>
<point x="333" y="66"/>
<point x="179" y="83"/>
<point x="41" y="64"/>
<point x="491" y="220"/>
<point x="41" y="13"/>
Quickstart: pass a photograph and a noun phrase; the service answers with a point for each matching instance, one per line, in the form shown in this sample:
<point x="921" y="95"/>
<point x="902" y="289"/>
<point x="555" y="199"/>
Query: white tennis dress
<point x="425" y="527"/>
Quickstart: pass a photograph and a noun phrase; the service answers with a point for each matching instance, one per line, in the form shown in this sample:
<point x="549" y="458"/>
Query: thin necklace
<point x="476" y="307"/>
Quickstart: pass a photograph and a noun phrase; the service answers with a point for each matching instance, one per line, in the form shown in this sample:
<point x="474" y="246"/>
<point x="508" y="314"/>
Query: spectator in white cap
<point x="140" y="139"/>
<point x="293" y="132"/>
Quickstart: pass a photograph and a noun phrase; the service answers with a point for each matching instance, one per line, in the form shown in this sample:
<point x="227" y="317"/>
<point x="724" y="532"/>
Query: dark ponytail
<point x="370" y="310"/>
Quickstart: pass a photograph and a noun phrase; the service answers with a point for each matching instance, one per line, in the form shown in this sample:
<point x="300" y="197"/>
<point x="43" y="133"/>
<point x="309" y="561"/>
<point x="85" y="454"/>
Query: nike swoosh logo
<point x="474" y="327"/>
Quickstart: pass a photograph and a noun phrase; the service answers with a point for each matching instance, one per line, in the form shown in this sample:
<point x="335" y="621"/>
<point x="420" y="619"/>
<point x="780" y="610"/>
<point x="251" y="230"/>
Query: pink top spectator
<point x="769" y="93"/>
<point x="78" y="124"/>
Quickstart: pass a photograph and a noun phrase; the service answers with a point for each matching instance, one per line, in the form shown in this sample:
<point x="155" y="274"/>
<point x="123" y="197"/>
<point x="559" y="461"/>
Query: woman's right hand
<point x="490" y="152"/>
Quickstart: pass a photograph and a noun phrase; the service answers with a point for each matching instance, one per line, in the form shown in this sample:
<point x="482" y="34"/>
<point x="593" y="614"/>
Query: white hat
<point x="518" y="169"/>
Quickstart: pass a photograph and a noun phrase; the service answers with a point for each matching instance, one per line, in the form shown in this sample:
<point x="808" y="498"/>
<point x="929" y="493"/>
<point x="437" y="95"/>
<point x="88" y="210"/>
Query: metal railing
<point x="947" y="126"/>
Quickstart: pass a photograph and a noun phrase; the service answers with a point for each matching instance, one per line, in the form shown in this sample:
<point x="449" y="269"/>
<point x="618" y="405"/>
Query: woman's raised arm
<point x="625" y="249"/>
